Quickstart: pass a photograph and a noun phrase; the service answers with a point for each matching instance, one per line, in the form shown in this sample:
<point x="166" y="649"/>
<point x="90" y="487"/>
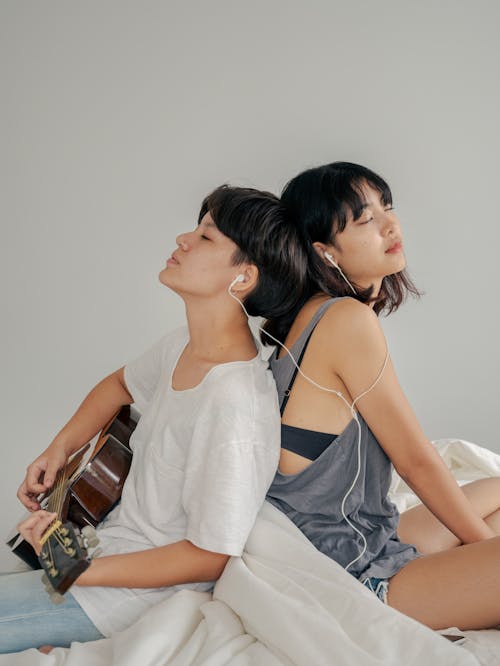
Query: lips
<point x="397" y="247"/>
<point x="172" y="260"/>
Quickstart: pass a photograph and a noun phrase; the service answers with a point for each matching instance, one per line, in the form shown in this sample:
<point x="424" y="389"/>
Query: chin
<point x="402" y="265"/>
<point x="399" y="266"/>
<point x="165" y="278"/>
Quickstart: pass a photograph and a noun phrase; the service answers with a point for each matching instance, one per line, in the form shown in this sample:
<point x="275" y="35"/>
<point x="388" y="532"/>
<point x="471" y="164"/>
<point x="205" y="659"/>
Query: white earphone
<point x="329" y="258"/>
<point x="238" y="278"/>
<point x="351" y="406"/>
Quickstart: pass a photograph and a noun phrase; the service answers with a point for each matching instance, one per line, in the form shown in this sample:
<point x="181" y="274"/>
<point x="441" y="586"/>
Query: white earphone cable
<point x="350" y="407"/>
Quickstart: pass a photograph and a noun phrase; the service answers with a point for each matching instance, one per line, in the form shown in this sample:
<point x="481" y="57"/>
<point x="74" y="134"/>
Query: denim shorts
<point x="379" y="586"/>
<point x="28" y="618"/>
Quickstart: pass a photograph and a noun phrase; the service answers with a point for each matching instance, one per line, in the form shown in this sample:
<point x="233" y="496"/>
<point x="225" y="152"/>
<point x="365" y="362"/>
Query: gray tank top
<point x="312" y="498"/>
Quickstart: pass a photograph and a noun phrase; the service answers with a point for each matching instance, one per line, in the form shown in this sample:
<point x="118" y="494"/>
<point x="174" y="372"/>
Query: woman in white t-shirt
<point x="206" y="447"/>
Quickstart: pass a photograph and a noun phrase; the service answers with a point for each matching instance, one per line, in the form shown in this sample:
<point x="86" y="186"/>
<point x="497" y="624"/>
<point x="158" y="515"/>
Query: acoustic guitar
<point x="84" y="492"/>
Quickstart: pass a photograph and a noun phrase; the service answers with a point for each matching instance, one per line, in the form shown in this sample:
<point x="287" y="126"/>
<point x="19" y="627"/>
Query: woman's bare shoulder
<point x="347" y="317"/>
<point x="347" y="324"/>
<point x="349" y="330"/>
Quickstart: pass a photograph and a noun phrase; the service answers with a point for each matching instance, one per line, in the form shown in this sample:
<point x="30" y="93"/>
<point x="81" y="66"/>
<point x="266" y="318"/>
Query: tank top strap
<point x="284" y="369"/>
<point x="319" y="314"/>
<point x="303" y="338"/>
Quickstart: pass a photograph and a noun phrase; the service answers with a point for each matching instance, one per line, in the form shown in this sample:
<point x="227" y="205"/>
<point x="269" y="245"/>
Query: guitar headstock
<point x="63" y="556"/>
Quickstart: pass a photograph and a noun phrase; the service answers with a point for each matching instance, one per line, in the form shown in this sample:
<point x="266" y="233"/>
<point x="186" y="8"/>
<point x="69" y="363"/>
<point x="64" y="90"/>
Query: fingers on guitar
<point x="33" y="527"/>
<point x="29" y="500"/>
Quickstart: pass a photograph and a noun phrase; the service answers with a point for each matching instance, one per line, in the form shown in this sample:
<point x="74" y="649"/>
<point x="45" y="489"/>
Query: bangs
<point x="227" y="205"/>
<point x="248" y="217"/>
<point x="212" y="203"/>
<point x="346" y="191"/>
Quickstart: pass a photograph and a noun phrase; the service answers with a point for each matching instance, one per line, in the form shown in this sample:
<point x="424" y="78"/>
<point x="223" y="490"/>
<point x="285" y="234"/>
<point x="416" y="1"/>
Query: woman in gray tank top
<point x="346" y="421"/>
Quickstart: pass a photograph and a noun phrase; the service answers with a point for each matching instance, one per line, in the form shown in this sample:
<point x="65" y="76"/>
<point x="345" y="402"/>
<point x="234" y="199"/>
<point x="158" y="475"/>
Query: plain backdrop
<point x="117" y="117"/>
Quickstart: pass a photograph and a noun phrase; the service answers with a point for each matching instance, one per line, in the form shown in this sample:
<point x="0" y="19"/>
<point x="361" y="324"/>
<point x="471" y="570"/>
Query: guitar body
<point x="96" y="489"/>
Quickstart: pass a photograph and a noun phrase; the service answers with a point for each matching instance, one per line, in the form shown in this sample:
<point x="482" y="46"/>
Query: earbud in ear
<point x="238" y="278"/>
<point x="330" y="259"/>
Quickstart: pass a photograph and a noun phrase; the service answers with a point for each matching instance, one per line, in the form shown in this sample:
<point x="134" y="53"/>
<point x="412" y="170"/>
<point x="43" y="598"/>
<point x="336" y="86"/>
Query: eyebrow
<point x="367" y="205"/>
<point x="209" y="224"/>
<point x="356" y="213"/>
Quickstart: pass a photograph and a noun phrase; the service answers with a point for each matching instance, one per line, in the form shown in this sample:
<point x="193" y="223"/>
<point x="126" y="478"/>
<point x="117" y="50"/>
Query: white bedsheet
<point x="468" y="462"/>
<point x="285" y="603"/>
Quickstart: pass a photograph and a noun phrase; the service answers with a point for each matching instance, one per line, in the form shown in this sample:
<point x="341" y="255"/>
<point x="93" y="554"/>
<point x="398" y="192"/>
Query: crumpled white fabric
<point x="281" y="603"/>
<point x="467" y="462"/>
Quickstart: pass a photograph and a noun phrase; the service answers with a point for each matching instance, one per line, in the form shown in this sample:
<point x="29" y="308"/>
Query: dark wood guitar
<point x="82" y="495"/>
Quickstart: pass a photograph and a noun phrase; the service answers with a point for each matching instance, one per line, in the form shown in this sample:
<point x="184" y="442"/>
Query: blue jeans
<point x="28" y="618"/>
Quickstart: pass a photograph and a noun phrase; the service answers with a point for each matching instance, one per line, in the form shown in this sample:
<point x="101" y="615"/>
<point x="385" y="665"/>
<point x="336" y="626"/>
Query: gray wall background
<point x="118" y="117"/>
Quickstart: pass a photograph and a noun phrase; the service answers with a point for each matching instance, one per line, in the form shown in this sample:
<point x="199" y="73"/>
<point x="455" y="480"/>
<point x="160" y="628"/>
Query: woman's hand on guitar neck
<point x="40" y="476"/>
<point x="34" y="526"/>
<point x="98" y="407"/>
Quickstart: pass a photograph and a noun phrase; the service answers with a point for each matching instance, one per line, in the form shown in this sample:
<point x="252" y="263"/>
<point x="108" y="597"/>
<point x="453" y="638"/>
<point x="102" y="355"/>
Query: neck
<point x="218" y="331"/>
<point x="377" y="286"/>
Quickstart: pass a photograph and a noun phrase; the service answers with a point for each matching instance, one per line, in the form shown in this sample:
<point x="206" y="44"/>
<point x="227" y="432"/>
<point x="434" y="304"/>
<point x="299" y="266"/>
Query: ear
<point x="321" y="248"/>
<point x="250" y="274"/>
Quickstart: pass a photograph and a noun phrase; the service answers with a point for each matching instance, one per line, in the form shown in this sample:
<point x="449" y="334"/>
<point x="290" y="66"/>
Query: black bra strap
<point x="292" y="380"/>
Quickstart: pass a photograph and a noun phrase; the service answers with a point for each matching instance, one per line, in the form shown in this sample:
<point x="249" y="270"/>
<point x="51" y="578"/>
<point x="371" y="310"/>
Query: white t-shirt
<point x="203" y="461"/>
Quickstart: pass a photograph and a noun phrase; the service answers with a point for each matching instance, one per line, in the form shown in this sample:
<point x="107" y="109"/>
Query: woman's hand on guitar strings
<point x="34" y="526"/>
<point x="40" y="476"/>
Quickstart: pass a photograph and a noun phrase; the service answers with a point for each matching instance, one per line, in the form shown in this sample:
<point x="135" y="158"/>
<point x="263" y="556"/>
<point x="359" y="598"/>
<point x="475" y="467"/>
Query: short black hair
<point x="256" y="222"/>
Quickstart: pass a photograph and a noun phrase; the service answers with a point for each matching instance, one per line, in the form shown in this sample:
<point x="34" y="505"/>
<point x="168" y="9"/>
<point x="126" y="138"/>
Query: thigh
<point x="455" y="588"/>
<point x="420" y="527"/>
<point x="28" y="618"/>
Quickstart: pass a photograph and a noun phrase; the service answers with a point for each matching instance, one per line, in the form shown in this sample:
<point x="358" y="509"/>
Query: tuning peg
<point x="57" y="598"/>
<point x="44" y="579"/>
<point x="48" y="587"/>
<point x="90" y="536"/>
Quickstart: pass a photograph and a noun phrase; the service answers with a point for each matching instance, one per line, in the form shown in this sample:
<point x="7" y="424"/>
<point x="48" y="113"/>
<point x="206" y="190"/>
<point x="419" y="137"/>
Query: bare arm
<point x="94" y="412"/>
<point x="176" y="563"/>
<point x="391" y="419"/>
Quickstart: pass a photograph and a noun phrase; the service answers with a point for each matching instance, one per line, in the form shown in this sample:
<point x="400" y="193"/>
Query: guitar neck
<point x="90" y="486"/>
<point x="56" y="498"/>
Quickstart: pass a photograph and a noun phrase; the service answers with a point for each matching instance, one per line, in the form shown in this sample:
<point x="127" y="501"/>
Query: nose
<point x="182" y="241"/>
<point x="390" y="224"/>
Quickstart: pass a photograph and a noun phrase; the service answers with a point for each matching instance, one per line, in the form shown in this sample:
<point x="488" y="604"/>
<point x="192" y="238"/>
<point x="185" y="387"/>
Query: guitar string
<point x="59" y="491"/>
<point x="54" y="504"/>
<point x="51" y="506"/>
